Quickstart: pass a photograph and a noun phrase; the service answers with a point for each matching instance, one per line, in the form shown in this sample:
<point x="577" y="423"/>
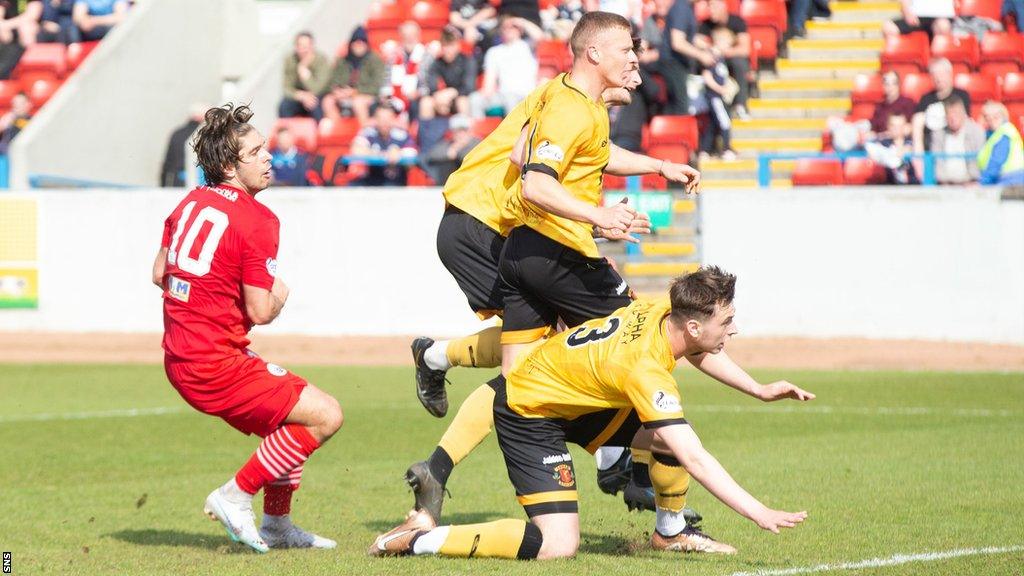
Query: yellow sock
<point x="499" y="539"/>
<point x="480" y="350"/>
<point x="670" y="481"/>
<point x="471" y="424"/>
<point x="641" y="456"/>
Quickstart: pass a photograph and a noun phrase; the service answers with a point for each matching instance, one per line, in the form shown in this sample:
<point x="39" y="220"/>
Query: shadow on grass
<point x="152" y="537"/>
<point x="381" y="526"/>
<point x="611" y="544"/>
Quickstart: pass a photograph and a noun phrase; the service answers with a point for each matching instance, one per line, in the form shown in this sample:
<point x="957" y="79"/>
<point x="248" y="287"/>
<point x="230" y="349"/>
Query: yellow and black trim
<point x="663" y="423"/>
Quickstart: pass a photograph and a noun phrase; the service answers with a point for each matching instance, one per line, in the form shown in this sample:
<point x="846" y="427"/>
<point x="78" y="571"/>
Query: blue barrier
<point x="377" y="160"/>
<point x="51" y="181"/>
<point x="4" y="176"/>
<point x="764" y="162"/>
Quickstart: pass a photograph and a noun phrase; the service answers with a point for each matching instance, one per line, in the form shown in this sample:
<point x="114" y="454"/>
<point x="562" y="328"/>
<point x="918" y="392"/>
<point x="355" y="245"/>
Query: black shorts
<point x="539" y="464"/>
<point x="543" y="280"/>
<point x="470" y="250"/>
<point x="924" y="24"/>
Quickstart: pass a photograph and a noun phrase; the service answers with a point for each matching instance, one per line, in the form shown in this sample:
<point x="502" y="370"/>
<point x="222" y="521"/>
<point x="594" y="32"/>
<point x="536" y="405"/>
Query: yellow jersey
<point x="569" y="140"/>
<point x="620" y="361"/>
<point x="481" y="186"/>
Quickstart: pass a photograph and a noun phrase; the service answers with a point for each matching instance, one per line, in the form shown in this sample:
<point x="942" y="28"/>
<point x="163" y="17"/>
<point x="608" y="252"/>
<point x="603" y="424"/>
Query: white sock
<point x="436" y="356"/>
<point x="608" y="455"/>
<point x="430" y="543"/>
<point x="669" y="523"/>
<point x="233" y="493"/>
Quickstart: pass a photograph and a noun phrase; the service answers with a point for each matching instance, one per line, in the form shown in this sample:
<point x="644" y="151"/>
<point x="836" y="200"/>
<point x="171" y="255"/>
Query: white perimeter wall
<point x="882" y="263"/>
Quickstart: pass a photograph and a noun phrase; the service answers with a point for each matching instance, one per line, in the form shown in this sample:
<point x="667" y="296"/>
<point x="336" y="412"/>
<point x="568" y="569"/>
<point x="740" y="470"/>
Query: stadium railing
<point x="765" y="159"/>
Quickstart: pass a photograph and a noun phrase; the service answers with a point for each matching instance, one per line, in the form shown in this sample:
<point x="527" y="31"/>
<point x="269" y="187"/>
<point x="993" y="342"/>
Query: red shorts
<point x="252" y="395"/>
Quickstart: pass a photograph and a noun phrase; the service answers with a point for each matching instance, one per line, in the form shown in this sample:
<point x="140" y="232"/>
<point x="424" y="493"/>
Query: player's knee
<point x="558" y="544"/>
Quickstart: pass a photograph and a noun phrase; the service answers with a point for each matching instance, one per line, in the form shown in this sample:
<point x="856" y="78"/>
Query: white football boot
<point x="237" y="518"/>
<point x="279" y="532"/>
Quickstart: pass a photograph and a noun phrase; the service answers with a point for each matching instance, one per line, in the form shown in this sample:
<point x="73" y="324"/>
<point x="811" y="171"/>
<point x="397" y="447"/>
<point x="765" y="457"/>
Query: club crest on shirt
<point x="665" y="402"/>
<point x="275" y="369"/>
<point x="272" y="267"/>
<point x="549" y="151"/>
<point x="563" y="473"/>
<point x="178" y="289"/>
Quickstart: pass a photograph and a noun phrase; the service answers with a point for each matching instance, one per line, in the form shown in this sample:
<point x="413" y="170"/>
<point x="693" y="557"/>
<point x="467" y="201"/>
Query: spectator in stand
<point x="95" y="18"/>
<point x="799" y="11"/>
<point x="447" y="155"/>
<point x="18" y="30"/>
<point x="456" y="71"/>
<point x="631" y="10"/>
<point x="932" y="16"/>
<point x="1001" y="159"/>
<point x="559" y="19"/>
<point x="1014" y="9"/>
<point x="893" y="103"/>
<point x="57" y="24"/>
<point x="737" y="56"/>
<point x="525" y="9"/>
<point x="405" y="61"/>
<point x="288" y="161"/>
<point x="307" y="72"/>
<point x="720" y="90"/>
<point x="891" y="149"/>
<point x="961" y="136"/>
<point x="474" y="18"/>
<point x="510" y="68"/>
<point x="384" y="141"/>
<point x="930" y="115"/>
<point x="651" y="37"/>
<point x="356" y="80"/>
<point x="679" y="55"/>
<point x="14" y="120"/>
<point x="172" y="173"/>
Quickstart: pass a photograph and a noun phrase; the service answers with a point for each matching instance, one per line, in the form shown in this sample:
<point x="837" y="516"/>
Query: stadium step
<point x="744" y="183"/>
<point x="843" y="30"/>
<point x="798" y="107"/>
<point x="777" y="144"/>
<point x="715" y="170"/>
<point x="826" y="68"/>
<point x="863" y="11"/>
<point x="667" y="269"/>
<point x="684" y="206"/>
<point x="668" y="248"/>
<point x="771" y="127"/>
<point x="837" y="53"/>
<point x="805" y="87"/>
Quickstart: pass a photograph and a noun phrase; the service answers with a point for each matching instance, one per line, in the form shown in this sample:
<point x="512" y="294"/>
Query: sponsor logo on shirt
<point x="229" y="194"/>
<point x="549" y="151"/>
<point x="178" y="289"/>
<point x="665" y="402"/>
<point x="276" y="370"/>
<point x="555" y="458"/>
<point x="272" y="267"/>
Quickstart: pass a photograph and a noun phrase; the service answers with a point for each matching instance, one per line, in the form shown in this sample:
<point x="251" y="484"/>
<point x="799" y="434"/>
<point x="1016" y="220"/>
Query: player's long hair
<point x="218" y="143"/>
<point x="694" y="296"/>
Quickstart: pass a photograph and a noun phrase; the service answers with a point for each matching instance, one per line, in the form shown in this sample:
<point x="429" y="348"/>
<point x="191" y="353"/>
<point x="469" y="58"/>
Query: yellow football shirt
<point x="481" y="186"/>
<point x="570" y="141"/>
<point x="620" y="361"/>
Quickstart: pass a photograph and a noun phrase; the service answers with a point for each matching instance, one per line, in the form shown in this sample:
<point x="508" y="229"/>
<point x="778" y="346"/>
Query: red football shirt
<point x="218" y="238"/>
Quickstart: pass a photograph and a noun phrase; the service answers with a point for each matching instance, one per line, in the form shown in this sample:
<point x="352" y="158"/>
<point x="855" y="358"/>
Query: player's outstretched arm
<point x="684" y="444"/>
<point x="547" y="193"/>
<point x="622" y="162"/>
<point x="159" y="265"/>
<point x="262" y="306"/>
<point x="722" y="368"/>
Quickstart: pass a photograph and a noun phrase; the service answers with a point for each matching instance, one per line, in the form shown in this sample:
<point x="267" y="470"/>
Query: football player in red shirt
<point x="217" y="267"/>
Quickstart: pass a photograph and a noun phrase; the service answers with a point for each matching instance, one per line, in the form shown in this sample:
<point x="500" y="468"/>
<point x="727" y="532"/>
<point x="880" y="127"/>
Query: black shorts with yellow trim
<point x="538" y="461"/>
<point x="544" y="280"/>
<point x="470" y="250"/>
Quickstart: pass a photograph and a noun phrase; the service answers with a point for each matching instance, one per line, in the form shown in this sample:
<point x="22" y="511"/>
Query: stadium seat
<point x="613" y="182"/>
<point x="378" y="36"/>
<point x="41" y="91"/>
<point x="867" y="88"/>
<point x="673" y="130"/>
<point x="653" y="182"/>
<point x="672" y="152"/>
<point x="862" y="171"/>
<point x="417" y="177"/>
<point x="915" y="85"/>
<point x="386" y="15"/>
<point x="764" y="42"/>
<point x="1013" y="87"/>
<point x="304" y="130"/>
<point x="42" y="61"/>
<point x="8" y="90"/>
<point x="957" y="49"/>
<point x="817" y="172"/>
<point x="909" y="50"/>
<point x="482" y="127"/>
<point x="1002" y="47"/>
<point x="862" y="111"/>
<point x="981" y="87"/>
<point x="554" y="54"/>
<point x="338" y="132"/>
<point x="764" y="13"/>
<point x="430" y="14"/>
<point x="985" y="8"/>
<point x="78" y="52"/>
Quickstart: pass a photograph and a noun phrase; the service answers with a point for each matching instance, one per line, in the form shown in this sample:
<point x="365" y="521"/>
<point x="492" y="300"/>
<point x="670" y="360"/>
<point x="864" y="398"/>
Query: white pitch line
<point x="124" y="413"/>
<point x="893" y="560"/>
<point x="865" y="411"/>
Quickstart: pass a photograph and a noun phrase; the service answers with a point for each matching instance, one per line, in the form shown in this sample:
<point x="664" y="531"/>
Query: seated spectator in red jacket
<point x="18" y="29"/>
<point x="893" y="104"/>
<point x="355" y="82"/>
<point x="307" y="72"/>
<point x="57" y="23"/>
<point x="932" y="16"/>
<point x="384" y="141"/>
<point x="288" y="161"/>
<point x="15" y="120"/>
<point x="96" y="17"/>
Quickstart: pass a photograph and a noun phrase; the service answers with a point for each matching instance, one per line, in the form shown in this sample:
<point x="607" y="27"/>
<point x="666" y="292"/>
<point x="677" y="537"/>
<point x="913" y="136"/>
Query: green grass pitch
<point x="886" y="463"/>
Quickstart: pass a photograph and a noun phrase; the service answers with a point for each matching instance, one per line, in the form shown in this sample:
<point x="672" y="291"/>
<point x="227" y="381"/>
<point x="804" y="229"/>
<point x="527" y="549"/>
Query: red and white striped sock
<point x="277" y="496"/>
<point x="281" y="452"/>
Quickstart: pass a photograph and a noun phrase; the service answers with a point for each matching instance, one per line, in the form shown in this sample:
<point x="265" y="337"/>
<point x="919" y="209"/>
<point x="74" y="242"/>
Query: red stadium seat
<point x="78" y="52"/>
<point x="985" y="8"/>
<point x="817" y="172"/>
<point x="1002" y="47"/>
<point x="417" y="177"/>
<point x="554" y="54"/>
<point x="43" y="60"/>
<point x="653" y="182"/>
<point x="908" y="50"/>
<point x="386" y="15"/>
<point x="861" y="171"/>
<point x="764" y="13"/>
<point x="957" y="49"/>
<point x="41" y="91"/>
<point x="381" y="35"/>
<point x="482" y="127"/>
<point x="867" y="88"/>
<point x="671" y="152"/>
<point x="613" y="182"/>
<point x="338" y="132"/>
<point x="981" y="87"/>
<point x="430" y="14"/>
<point x="764" y="41"/>
<point x="304" y="130"/>
<point x="1013" y="87"/>
<point x="8" y="90"/>
<point x="862" y="111"/>
<point x="915" y="85"/>
<point x="673" y="130"/>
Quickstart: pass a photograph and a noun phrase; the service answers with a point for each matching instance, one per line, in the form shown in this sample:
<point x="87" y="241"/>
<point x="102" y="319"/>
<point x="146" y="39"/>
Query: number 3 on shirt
<point x="179" y="255"/>
<point x="583" y="336"/>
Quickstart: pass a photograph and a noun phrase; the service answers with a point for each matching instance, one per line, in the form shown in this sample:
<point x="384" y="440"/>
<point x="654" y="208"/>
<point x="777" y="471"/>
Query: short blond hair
<point x="592" y="24"/>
